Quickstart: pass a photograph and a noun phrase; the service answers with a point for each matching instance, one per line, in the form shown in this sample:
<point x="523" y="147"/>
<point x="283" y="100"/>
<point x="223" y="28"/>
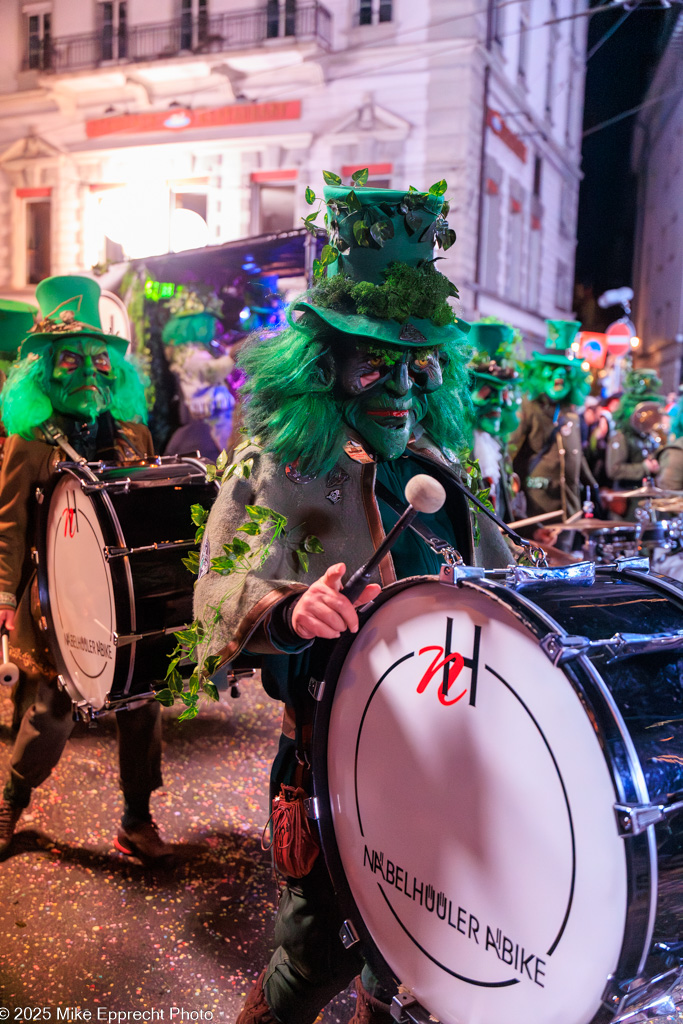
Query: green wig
<point x="639" y="386"/>
<point x="293" y="408"/>
<point x="534" y="382"/>
<point x="24" y="403"/>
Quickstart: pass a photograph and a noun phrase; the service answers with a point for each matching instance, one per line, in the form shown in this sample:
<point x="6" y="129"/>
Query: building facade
<point x="658" y="262"/>
<point x="134" y="127"/>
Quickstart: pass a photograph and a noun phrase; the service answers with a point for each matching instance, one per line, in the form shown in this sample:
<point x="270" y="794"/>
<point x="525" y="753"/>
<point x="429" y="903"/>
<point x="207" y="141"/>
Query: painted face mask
<point x="493" y="404"/>
<point x="556" y="382"/>
<point x="384" y="393"/>
<point x="82" y="378"/>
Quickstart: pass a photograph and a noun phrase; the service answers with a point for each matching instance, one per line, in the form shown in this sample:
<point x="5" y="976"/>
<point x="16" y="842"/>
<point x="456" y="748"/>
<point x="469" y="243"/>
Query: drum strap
<point x="431" y="539"/>
<point x="537" y="555"/>
<point x="60" y="439"/>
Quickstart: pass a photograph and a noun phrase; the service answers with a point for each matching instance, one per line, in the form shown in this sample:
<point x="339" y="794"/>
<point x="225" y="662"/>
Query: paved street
<point x="80" y="925"/>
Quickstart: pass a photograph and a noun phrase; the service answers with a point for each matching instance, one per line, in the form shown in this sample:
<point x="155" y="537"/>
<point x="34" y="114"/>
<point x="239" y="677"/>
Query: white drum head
<point x="80" y="593"/>
<point x="476" y="831"/>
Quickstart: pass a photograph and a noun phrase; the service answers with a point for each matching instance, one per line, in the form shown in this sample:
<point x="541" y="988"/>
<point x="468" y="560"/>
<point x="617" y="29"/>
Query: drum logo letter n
<point x="450" y="664"/>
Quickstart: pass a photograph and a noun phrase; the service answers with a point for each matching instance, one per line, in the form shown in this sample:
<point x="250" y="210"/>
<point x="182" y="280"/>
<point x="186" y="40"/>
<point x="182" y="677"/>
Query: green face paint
<point x="556" y="382"/>
<point x="82" y="378"/>
<point x="490" y="402"/>
<point x="384" y="394"/>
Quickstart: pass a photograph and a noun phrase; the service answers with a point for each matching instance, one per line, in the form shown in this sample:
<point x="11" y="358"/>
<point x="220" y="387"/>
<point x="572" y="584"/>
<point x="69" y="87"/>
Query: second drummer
<point x="70" y="395"/>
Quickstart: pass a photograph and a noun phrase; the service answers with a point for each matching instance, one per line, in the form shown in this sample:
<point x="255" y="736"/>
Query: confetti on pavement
<point x="81" y="925"/>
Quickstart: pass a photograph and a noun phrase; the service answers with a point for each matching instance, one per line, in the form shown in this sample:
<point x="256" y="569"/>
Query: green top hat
<point x="559" y="338"/>
<point x="69" y="307"/>
<point x="383" y="283"/>
<point x="492" y="344"/>
<point x="200" y="328"/>
<point x="16" y="320"/>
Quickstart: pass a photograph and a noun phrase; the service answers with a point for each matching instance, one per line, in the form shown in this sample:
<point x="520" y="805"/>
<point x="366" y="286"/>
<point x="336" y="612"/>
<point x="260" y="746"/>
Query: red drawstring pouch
<point x="293" y="844"/>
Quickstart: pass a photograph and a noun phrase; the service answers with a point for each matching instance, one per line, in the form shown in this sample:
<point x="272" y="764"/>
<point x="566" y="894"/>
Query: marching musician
<point x="206" y="402"/>
<point x="71" y="395"/>
<point x="546" y="446"/>
<point x="629" y="457"/>
<point x="366" y="388"/>
<point x="496" y="399"/>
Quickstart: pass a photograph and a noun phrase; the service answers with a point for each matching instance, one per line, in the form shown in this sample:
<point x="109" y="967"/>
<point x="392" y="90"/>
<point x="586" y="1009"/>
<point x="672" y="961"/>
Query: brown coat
<point x="550" y="459"/>
<point x="670" y="458"/>
<point x="349" y="528"/>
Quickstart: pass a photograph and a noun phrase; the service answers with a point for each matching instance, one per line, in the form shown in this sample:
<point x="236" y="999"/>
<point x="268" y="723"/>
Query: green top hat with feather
<point x="381" y="280"/>
<point x="16" y="320"/>
<point x="69" y="307"/>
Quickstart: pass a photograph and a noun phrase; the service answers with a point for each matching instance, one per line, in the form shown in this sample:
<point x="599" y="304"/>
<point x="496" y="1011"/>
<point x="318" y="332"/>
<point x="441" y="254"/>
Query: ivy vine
<point x="238" y="558"/>
<point x="374" y="225"/>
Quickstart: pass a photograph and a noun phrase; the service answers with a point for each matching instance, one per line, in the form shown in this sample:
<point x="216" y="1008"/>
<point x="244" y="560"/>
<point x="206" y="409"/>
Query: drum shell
<point x="647" y="690"/>
<point x="151" y="590"/>
<point x="630" y="705"/>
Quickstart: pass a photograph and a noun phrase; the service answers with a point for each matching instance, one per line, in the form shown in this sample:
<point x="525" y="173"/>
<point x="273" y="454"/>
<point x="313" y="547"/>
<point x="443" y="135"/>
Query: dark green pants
<point x="310" y="965"/>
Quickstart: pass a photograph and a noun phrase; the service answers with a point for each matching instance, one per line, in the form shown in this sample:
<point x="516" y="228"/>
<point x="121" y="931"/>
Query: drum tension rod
<point x="116" y="552"/>
<point x="561" y="649"/>
<point x="124" y="639"/>
<point x="632" y="819"/>
<point x="115" y="486"/>
<point x="406" y="1010"/>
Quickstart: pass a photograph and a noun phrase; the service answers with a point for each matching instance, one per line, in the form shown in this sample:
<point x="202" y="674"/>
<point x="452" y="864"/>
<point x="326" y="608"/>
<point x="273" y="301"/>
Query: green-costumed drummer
<point x="546" y="446"/>
<point x="367" y="387"/>
<point x="627" y="459"/>
<point x="496" y="397"/>
<point x="70" y="394"/>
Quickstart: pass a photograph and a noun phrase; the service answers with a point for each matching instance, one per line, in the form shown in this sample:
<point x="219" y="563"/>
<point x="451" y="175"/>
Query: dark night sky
<point x="617" y="78"/>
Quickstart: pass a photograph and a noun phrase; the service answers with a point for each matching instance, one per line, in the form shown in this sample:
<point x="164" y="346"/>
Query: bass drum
<point x="498" y="794"/>
<point x="112" y="584"/>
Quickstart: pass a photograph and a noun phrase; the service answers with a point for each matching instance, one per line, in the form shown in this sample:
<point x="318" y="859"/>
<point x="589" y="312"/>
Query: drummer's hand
<point x="542" y="535"/>
<point x="652" y="466"/>
<point x="7" y="618"/>
<point x="323" y="612"/>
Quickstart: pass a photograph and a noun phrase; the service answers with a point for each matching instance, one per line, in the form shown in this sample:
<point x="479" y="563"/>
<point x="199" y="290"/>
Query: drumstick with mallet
<point x="9" y="673"/>
<point x="423" y="494"/>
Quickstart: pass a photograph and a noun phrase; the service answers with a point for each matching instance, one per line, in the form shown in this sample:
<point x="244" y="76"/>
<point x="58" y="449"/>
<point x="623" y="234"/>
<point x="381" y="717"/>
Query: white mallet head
<point x="425" y="493"/>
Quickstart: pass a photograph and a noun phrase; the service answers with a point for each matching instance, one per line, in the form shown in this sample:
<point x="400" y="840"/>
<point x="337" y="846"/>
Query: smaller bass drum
<point x="112" y="584"/>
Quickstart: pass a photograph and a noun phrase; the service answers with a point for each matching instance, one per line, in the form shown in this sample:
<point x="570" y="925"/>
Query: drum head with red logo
<point x="472" y="812"/>
<point x="80" y="594"/>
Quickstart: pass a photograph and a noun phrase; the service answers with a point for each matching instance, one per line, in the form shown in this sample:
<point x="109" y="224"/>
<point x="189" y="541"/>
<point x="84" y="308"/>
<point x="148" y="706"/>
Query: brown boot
<point x="9" y="816"/>
<point x="368" y="1009"/>
<point x="256" y="1009"/>
<point x="144" y="842"/>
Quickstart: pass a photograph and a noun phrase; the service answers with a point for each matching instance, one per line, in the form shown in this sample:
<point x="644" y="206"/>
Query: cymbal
<point x="668" y="504"/>
<point x="643" y="492"/>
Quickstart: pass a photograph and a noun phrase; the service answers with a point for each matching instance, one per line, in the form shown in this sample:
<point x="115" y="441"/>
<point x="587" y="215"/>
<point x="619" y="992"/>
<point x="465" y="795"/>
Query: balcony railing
<point x="308" y="22"/>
